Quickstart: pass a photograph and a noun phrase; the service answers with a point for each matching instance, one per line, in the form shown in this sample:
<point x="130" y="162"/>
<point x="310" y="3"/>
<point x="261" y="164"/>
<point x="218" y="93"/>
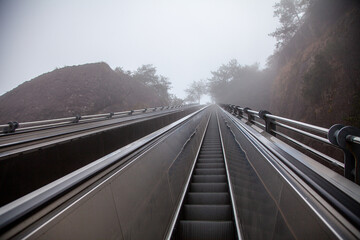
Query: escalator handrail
<point x="12" y="212"/>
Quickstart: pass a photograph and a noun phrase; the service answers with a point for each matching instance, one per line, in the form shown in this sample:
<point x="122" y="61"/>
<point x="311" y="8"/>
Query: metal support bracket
<point x="11" y="128"/>
<point x="343" y="136"/>
<point x="239" y="112"/>
<point x="77" y="119"/>
<point x="270" y="126"/>
<point x="251" y="118"/>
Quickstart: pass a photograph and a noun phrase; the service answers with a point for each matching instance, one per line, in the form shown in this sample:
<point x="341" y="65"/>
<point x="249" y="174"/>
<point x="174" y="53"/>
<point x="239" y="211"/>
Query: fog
<point x="184" y="39"/>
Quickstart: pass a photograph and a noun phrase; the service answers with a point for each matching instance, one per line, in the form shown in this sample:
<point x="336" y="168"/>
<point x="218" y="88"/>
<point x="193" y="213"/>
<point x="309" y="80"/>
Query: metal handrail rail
<point x="254" y="112"/>
<point x="353" y="139"/>
<point x="14" y="126"/>
<point x="346" y="138"/>
<point x="331" y="160"/>
<point x="313" y="136"/>
<point x="306" y="126"/>
<point x="277" y="120"/>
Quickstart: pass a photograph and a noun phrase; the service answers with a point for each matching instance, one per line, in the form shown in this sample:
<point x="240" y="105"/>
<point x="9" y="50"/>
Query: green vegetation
<point x="161" y="85"/>
<point x="147" y="75"/>
<point x="317" y="79"/>
<point x="290" y="14"/>
<point x="354" y="117"/>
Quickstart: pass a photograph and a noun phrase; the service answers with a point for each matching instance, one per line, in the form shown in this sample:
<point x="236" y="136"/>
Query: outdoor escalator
<point x="207" y="212"/>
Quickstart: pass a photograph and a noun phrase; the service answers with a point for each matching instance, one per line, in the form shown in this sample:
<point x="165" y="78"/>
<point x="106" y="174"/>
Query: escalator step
<point x="208" y="187"/>
<point x="206" y="230"/>
<point x="210" y="165"/>
<point x="212" y="149"/>
<point x="209" y="178"/>
<point x="210" y="155"/>
<point x="214" y="160"/>
<point x="209" y="171"/>
<point x="207" y="212"/>
<point x="207" y="198"/>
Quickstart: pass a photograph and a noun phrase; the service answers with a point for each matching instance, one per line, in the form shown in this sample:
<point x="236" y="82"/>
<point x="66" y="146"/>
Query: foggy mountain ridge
<point x="84" y="89"/>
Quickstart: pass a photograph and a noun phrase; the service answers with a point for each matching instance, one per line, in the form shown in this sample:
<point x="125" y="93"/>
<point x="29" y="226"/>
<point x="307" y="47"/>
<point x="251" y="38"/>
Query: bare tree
<point x="195" y="91"/>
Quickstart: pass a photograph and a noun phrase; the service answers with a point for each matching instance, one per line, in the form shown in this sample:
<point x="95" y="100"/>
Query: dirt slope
<point x="84" y="89"/>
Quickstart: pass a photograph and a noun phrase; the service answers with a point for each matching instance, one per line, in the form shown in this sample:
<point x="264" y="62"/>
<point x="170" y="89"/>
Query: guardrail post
<point x="11" y="128"/>
<point x="232" y="109"/>
<point x="228" y="108"/>
<point x="344" y="137"/>
<point x="111" y="115"/>
<point x="239" y="112"/>
<point x="270" y="126"/>
<point x="251" y="118"/>
<point x="131" y="112"/>
<point x="77" y="119"/>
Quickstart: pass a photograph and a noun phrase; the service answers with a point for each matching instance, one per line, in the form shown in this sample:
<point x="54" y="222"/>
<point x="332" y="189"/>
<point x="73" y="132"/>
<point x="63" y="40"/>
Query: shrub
<point x="317" y="79"/>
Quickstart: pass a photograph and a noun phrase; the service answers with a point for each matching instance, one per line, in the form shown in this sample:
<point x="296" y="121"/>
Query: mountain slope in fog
<point x="84" y="89"/>
<point x="318" y="76"/>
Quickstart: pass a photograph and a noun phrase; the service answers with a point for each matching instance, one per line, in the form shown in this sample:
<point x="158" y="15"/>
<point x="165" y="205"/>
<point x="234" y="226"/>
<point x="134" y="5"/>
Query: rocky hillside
<point x="318" y="80"/>
<point x="84" y="89"/>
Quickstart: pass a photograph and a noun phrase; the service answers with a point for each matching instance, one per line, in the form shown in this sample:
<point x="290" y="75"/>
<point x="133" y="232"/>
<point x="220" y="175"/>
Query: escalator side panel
<point x="266" y="204"/>
<point x="256" y="210"/>
<point x="139" y="199"/>
<point x="18" y="176"/>
<point x="94" y="218"/>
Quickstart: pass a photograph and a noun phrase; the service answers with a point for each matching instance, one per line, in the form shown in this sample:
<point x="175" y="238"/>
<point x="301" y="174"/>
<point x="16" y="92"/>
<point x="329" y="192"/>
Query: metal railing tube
<point x="300" y="124"/>
<point x="13" y="125"/>
<point x="253" y="112"/>
<point x="310" y="135"/>
<point x="353" y="139"/>
<point x="346" y="138"/>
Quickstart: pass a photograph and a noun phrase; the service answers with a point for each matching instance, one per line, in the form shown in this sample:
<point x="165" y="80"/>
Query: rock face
<point x="84" y="89"/>
<point x="318" y="80"/>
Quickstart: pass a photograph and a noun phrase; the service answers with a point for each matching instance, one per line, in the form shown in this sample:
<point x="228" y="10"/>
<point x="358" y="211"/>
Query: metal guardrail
<point x="346" y="138"/>
<point x="14" y="126"/>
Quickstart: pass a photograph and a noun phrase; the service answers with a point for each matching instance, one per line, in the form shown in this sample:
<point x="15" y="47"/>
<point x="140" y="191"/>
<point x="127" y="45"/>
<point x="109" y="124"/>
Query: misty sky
<point x="184" y="39"/>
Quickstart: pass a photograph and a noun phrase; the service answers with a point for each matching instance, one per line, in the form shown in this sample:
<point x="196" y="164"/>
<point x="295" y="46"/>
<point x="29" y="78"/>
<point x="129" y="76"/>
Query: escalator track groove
<point x="207" y="212"/>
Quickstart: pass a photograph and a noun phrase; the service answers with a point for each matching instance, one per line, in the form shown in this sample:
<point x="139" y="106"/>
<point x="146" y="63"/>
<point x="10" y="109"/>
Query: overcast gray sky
<point x="184" y="39"/>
